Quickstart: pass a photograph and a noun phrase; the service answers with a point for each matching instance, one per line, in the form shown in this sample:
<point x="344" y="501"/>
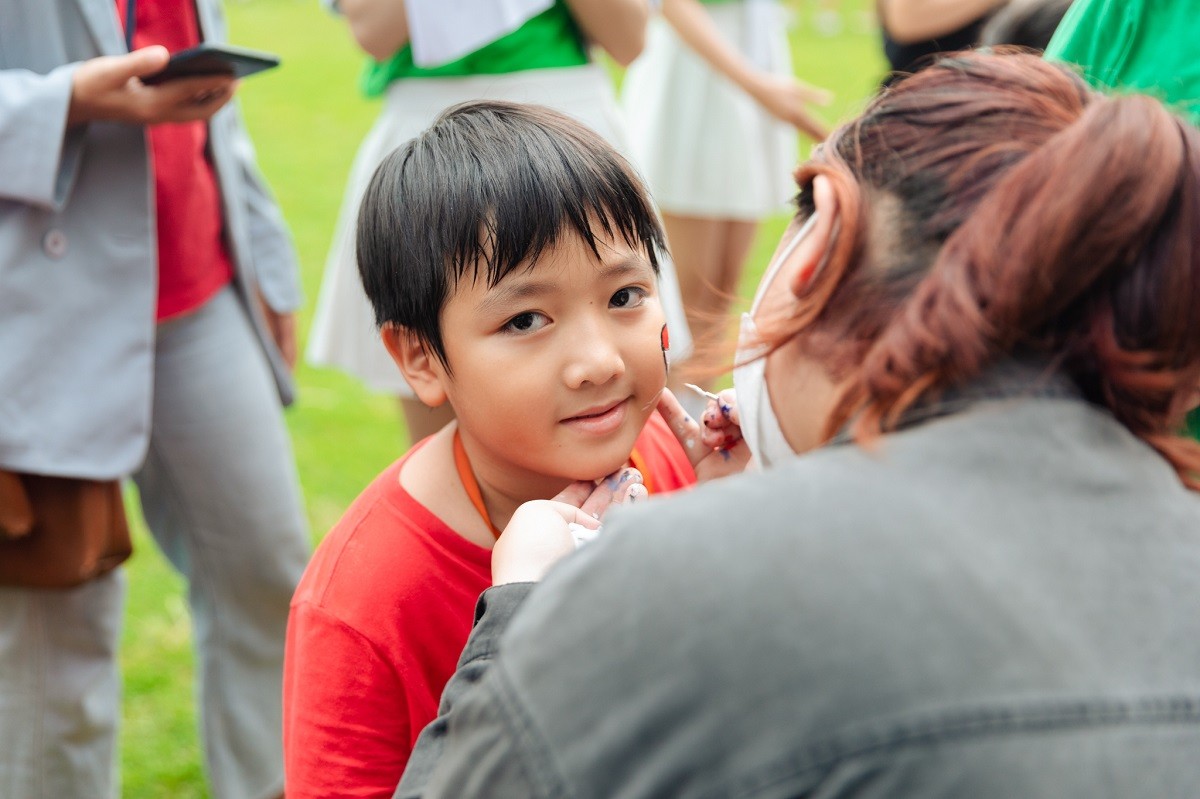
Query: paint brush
<point x="702" y="392"/>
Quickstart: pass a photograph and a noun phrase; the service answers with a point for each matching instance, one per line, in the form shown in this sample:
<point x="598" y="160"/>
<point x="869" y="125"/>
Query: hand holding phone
<point x="102" y="89"/>
<point x="213" y="59"/>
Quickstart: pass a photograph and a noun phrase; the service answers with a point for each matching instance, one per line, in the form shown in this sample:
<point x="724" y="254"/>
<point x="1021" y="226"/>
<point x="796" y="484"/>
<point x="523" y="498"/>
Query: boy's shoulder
<point x="660" y="457"/>
<point x="385" y="546"/>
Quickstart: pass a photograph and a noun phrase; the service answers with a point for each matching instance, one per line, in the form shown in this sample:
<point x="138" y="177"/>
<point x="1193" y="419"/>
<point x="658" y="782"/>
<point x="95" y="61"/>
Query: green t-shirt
<point x="1148" y="46"/>
<point x="547" y="41"/>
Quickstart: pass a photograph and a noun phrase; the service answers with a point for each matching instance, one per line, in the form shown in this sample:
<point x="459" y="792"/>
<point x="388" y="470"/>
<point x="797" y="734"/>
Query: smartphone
<point x="213" y="59"/>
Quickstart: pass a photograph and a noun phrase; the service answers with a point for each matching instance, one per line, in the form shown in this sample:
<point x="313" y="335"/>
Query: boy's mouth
<point x="599" y="419"/>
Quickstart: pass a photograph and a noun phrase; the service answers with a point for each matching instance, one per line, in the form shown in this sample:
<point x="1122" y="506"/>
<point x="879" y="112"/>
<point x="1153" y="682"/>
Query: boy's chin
<point x="597" y="468"/>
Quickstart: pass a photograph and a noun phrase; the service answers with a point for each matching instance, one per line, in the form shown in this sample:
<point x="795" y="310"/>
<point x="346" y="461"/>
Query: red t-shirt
<point x="377" y="626"/>
<point x="192" y="262"/>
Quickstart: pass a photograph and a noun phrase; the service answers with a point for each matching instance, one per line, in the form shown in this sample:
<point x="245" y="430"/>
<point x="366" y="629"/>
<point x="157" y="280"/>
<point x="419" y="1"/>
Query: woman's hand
<point x="282" y="327"/>
<point x="787" y="98"/>
<point x="715" y="448"/>
<point x="541" y="532"/>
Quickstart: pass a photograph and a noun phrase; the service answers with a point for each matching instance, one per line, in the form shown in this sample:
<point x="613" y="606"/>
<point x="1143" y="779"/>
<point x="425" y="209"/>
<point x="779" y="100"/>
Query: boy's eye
<point x="628" y="297"/>
<point x="526" y="322"/>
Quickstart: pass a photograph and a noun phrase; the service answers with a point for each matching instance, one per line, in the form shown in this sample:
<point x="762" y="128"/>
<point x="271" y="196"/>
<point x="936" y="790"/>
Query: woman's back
<point x="998" y="601"/>
<point x="980" y="578"/>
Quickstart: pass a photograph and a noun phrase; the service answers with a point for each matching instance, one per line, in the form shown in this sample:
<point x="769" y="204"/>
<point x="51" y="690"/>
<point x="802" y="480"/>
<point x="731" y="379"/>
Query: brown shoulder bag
<point x="59" y="532"/>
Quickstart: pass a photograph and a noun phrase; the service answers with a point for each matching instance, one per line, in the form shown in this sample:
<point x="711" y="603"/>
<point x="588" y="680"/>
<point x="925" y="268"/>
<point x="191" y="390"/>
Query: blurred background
<point x="307" y="119"/>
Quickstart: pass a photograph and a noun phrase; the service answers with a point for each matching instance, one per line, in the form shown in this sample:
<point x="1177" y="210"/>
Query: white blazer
<point x="78" y="264"/>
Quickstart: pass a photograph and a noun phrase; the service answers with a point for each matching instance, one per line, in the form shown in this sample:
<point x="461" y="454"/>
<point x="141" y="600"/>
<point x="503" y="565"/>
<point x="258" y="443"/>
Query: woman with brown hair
<point x="978" y="578"/>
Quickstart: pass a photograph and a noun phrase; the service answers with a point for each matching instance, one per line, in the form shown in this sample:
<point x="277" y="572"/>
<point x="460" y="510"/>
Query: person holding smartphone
<point x="147" y="284"/>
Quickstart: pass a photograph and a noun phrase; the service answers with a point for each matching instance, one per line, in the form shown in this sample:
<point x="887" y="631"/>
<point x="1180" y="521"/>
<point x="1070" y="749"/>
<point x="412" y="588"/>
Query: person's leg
<point x="220" y="494"/>
<point x="696" y="248"/>
<point x="737" y="239"/>
<point x="60" y="689"/>
<point x="423" y="421"/>
<point x="710" y="255"/>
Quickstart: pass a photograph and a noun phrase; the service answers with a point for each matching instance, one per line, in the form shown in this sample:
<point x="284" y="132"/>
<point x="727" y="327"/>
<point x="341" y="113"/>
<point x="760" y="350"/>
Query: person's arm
<point x="908" y="21"/>
<point x="271" y="252"/>
<point x="39" y="152"/>
<point x="782" y="96"/>
<point x="379" y="26"/>
<point x="618" y="26"/>
<point x="43" y="117"/>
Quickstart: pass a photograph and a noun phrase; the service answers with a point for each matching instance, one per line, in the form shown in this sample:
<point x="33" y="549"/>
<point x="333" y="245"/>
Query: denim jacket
<point x="1001" y="599"/>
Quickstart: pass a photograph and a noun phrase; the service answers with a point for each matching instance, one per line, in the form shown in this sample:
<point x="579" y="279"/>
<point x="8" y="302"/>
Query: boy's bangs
<point x="517" y="195"/>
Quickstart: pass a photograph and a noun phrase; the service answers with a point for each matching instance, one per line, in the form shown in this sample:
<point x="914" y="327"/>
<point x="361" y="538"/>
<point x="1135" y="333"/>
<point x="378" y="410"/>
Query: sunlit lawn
<point x="307" y="119"/>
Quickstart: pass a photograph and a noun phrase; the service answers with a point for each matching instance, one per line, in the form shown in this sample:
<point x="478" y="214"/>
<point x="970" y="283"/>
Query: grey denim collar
<point x="1010" y="379"/>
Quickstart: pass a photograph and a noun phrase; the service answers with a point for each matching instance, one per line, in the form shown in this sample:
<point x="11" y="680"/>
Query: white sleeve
<point x="39" y="155"/>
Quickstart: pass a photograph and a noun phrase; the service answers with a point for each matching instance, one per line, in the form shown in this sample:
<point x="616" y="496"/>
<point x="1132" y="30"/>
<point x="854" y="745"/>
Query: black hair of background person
<point x="905" y="59"/>
<point x="517" y="177"/>
<point x="1026" y="23"/>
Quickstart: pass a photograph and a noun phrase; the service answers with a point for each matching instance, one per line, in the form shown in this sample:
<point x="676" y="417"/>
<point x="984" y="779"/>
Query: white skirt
<point x="707" y="149"/>
<point x="343" y="333"/>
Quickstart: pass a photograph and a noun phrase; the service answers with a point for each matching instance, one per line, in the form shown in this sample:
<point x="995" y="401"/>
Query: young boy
<point x="511" y="258"/>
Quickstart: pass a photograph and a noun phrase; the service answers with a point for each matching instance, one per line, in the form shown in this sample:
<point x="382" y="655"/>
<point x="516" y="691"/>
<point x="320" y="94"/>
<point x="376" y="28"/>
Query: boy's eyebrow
<point x="631" y="263"/>
<point x="503" y="296"/>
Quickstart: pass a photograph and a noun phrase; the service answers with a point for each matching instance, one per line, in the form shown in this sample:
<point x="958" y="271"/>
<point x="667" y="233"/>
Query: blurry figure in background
<point x="147" y="291"/>
<point x="1025" y="23"/>
<point x="713" y="109"/>
<point x="428" y="55"/>
<point x="828" y="19"/>
<point x="915" y="30"/>
<point x="1136" y="46"/>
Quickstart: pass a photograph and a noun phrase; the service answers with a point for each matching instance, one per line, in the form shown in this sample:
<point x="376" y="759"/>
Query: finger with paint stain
<point x="722" y="421"/>
<point x="613" y="490"/>
<point x="716" y="451"/>
<point x="686" y="429"/>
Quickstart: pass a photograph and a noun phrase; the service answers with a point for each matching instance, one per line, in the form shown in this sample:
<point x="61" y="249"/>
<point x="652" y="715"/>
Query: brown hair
<point x="994" y="205"/>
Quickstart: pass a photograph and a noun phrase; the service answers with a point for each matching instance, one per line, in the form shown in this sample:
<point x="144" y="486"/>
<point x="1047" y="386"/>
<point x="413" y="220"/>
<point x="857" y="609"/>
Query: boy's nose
<point x="594" y="359"/>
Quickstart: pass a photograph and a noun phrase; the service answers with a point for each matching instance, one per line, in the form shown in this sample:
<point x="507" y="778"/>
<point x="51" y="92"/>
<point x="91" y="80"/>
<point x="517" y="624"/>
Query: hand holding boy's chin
<point x="535" y="539"/>
<point x="539" y="533"/>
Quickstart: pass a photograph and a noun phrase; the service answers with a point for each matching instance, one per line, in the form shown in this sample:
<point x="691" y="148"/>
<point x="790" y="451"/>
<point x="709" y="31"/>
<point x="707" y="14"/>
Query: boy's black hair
<point x="487" y="188"/>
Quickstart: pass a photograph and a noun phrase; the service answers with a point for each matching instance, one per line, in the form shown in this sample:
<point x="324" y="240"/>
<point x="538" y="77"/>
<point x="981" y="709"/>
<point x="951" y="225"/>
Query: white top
<point x="442" y="31"/>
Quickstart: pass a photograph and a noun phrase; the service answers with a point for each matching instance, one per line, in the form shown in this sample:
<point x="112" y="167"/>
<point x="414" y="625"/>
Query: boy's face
<point x="556" y="369"/>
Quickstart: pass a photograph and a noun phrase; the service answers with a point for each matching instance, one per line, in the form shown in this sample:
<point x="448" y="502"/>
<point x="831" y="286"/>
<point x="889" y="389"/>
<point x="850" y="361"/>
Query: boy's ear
<point x="424" y="374"/>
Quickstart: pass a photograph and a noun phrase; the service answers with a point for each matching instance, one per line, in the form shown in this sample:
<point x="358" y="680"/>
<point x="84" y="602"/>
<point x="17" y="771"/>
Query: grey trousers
<point x="220" y="495"/>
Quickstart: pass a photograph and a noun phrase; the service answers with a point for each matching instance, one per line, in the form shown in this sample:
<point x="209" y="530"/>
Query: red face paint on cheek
<point x="665" y="341"/>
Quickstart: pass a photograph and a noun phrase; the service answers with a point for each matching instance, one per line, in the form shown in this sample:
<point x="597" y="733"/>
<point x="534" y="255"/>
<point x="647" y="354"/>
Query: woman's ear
<point x="811" y="252"/>
<point x="424" y="374"/>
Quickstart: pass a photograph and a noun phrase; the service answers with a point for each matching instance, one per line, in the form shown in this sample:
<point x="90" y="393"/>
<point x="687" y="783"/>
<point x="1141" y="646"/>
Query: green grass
<point x="307" y="120"/>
